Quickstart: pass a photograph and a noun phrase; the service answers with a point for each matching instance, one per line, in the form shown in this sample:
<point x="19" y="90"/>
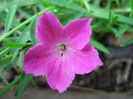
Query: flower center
<point x="62" y="47"/>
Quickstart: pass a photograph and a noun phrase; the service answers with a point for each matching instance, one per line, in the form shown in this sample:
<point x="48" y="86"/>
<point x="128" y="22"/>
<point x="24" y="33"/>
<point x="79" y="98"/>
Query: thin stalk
<point x="4" y="51"/>
<point x="10" y="85"/>
<point x="122" y="10"/>
<point x="86" y="5"/>
<point x="3" y="77"/>
<point x="24" y="23"/>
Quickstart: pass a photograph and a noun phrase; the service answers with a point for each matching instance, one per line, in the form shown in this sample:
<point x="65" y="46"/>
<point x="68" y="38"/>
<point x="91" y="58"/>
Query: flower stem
<point x="10" y="85"/>
<point x="24" y="23"/>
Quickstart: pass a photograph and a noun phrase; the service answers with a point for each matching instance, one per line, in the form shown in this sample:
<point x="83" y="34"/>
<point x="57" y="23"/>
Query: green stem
<point x="24" y="23"/>
<point x="10" y="85"/>
<point x="4" y="51"/>
<point x="86" y="5"/>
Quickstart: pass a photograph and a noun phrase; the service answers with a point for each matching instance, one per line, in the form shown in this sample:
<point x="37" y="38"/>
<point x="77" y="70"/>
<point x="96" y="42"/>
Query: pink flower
<point x="62" y="52"/>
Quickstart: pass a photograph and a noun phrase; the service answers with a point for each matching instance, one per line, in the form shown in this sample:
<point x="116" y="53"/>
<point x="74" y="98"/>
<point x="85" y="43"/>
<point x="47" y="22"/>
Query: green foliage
<point x="6" y="60"/>
<point x="99" y="46"/>
<point x="20" y="18"/>
<point x="23" y="84"/>
<point x="10" y="16"/>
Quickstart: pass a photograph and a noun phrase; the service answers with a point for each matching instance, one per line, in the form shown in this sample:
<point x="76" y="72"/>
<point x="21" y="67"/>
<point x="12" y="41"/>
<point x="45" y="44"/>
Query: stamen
<point x="62" y="47"/>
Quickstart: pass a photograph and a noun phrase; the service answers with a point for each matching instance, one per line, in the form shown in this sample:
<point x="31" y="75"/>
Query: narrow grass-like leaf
<point x="14" y="23"/>
<point x="99" y="46"/>
<point x="24" y="13"/>
<point x="96" y="2"/>
<point x="131" y="13"/>
<point x="10" y="85"/>
<point x="9" y="40"/>
<point x="117" y="2"/>
<point x="24" y="23"/>
<point x="120" y="32"/>
<point x="3" y="76"/>
<point x="78" y="15"/>
<point x="110" y="17"/>
<point x="127" y="43"/>
<point x="3" y="48"/>
<point x="64" y="3"/>
<point x="21" y="60"/>
<point x="109" y="2"/>
<point x="8" y="4"/>
<point x="117" y="34"/>
<point x="15" y="56"/>
<point x="3" y="52"/>
<point x="123" y="29"/>
<point x="23" y="38"/>
<point x="10" y="17"/>
<point x="6" y="60"/>
<point x="95" y="12"/>
<point x="32" y="31"/>
<point x="13" y="45"/>
<point x="23" y="84"/>
<point x="93" y="26"/>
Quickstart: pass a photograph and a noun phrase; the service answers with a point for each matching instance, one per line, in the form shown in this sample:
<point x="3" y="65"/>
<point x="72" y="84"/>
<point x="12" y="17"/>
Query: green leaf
<point x="95" y="11"/>
<point x="23" y="84"/>
<point x="32" y="31"/>
<point x="8" y="4"/>
<point x="118" y="34"/>
<point x="78" y="15"/>
<point x="13" y="45"/>
<point x="24" y="23"/>
<point x="117" y="2"/>
<point x="127" y="43"/>
<point x="23" y="38"/>
<point x="99" y="46"/>
<point x="10" y="17"/>
<point x="3" y="52"/>
<point x="123" y="29"/>
<point x="3" y="76"/>
<point x="24" y="13"/>
<point x="131" y="13"/>
<point x="9" y="40"/>
<point x="15" y="56"/>
<point x="10" y="85"/>
<point x="20" y="61"/>
<point x="14" y="23"/>
<point x="6" y="60"/>
<point x="112" y="18"/>
<point x="8" y="66"/>
<point x="63" y="3"/>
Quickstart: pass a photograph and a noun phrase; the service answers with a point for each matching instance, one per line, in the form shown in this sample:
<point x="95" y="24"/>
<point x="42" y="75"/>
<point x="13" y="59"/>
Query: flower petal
<point x="86" y="60"/>
<point x="35" y="60"/>
<point x="59" y="75"/>
<point x="78" y="32"/>
<point x="49" y="28"/>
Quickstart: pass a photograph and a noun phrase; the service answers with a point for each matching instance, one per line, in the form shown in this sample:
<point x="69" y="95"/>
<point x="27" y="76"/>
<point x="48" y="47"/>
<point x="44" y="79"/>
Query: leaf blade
<point x="99" y="46"/>
<point x="10" y="17"/>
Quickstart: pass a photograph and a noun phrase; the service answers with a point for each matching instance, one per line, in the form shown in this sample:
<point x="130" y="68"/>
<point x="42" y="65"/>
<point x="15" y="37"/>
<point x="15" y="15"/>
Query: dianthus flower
<point x="61" y="52"/>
